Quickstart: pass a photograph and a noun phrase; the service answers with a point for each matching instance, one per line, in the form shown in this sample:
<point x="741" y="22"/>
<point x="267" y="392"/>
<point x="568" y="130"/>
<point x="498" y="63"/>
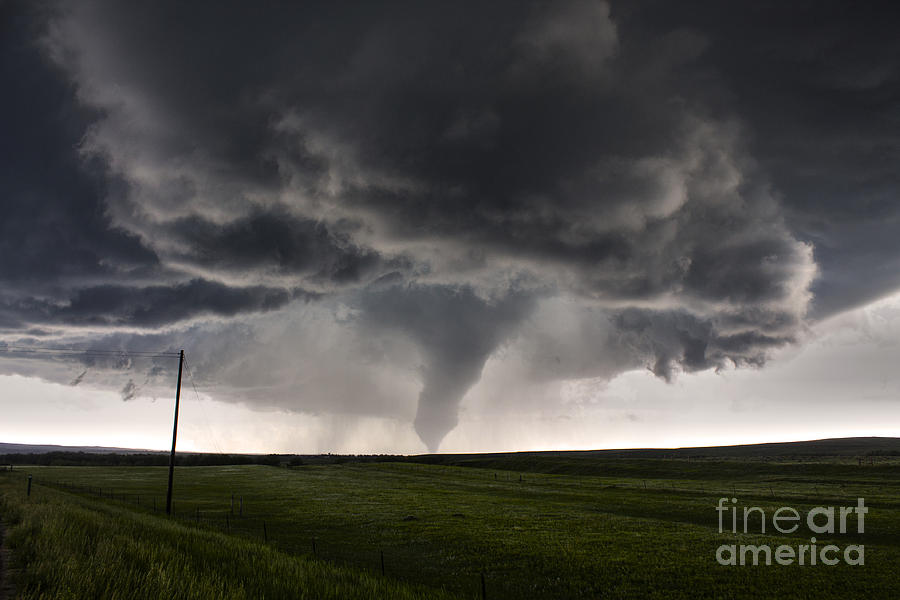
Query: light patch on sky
<point x="842" y="382"/>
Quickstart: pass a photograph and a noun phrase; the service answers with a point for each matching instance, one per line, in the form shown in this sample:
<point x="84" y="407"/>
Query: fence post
<point x="382" y="562"/>
<point x="483" y="588"/>
<point x="28" y="493"/>
<point x="265" y="533"/>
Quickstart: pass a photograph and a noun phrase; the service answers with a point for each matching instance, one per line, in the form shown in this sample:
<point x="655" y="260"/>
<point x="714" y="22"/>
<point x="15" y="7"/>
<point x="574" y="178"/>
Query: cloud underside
<point x="407" y="189"/>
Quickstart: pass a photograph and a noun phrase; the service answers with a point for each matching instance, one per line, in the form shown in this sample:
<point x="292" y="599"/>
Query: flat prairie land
<point x="629" y="528"/>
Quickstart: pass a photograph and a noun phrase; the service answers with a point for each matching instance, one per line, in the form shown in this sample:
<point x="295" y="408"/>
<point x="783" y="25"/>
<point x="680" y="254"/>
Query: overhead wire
<point x="93" y="350"/>
<point x="96" y="352"/>
<point x="209" y="428"/>
<point x="7" y="349"/>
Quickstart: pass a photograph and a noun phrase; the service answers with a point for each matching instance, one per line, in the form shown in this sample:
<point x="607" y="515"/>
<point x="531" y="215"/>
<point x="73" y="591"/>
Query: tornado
<point x="456" y="331"/>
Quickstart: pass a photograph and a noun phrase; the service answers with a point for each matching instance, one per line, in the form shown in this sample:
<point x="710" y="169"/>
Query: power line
<point x="95" y="352"/>
<point x="8" y="349"/>
<point x="212" y="435"/>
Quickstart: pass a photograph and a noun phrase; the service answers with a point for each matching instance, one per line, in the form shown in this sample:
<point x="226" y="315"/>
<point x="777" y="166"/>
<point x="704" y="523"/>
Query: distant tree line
<point x="188" y="459"/>
<point x="60" y="459"/>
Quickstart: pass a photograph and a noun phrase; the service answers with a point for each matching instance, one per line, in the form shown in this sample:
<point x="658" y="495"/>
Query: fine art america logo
<point x="820" y="520"/>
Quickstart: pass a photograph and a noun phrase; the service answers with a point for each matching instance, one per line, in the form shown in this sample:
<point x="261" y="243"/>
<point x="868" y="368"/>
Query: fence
<point x="235" y="516"/>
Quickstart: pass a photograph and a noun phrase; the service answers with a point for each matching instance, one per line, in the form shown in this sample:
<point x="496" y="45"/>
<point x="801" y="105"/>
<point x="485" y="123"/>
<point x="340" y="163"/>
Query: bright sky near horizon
<point x="817" y="390"/>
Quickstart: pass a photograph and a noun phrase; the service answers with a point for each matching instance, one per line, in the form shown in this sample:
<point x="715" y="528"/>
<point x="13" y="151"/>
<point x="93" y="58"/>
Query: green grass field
<point x="645" y="528"/>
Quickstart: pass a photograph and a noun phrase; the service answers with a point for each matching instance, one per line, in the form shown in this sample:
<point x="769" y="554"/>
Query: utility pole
<point x="174" y="436"/>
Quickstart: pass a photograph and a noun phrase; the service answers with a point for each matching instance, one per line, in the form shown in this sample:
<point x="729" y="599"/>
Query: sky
<point x="401" y="227"/>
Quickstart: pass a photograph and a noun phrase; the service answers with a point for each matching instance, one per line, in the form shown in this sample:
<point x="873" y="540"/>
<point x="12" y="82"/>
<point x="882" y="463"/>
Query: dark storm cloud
<point x="818" y="85"/>
<point x="152" y="306"/>
<point x="621" y="176"/>
<point x="681" y="339"/>
<point x="65" y="260"/>
<point x="159" y="305"/>
<point x="276" y="240"/>
<point x="679" y="174"/>
<point x="579" y="341"/>
<point x="53" y="224"/>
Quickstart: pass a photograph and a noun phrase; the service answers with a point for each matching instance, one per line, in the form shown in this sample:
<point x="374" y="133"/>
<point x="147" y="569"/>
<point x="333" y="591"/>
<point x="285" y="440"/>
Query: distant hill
<point x="690" y="463"/>
<point x="848" y="447"/>
<point x="53" y="455"/>
<point x="46" y="448"/>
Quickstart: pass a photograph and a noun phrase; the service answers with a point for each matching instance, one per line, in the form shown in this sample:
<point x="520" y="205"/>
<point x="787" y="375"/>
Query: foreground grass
<point x="66" y="548"/>
<point x="645" y="529"/>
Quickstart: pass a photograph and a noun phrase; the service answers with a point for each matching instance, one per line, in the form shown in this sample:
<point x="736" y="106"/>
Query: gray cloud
<point x="817" y="88"/>
<point x="604" y="187"/>
<point x="278" y="241"/>
<point x="155" y="305"/>
<point x="54" y="229"/>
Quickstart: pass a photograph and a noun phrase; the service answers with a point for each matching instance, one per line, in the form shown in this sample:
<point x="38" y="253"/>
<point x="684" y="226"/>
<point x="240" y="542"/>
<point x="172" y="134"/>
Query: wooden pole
<point x="174" y="436"/>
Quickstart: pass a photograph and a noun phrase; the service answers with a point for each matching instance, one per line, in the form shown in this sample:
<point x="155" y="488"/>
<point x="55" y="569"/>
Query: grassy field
<point x="68" y="547"/>
<point x="645" y="528"/>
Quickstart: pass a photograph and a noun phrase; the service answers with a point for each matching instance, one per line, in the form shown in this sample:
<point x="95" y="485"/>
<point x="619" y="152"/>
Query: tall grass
<point x="64" y="548"/>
